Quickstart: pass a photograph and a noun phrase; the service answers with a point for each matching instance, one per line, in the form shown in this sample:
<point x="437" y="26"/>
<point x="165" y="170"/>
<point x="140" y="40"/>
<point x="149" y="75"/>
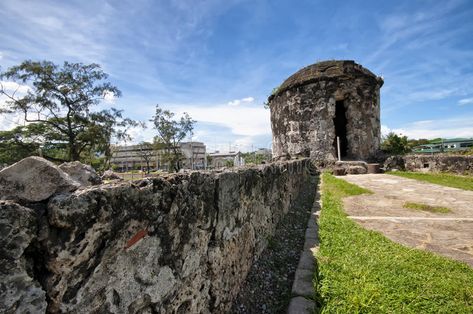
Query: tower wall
<point x="303" y="112"/>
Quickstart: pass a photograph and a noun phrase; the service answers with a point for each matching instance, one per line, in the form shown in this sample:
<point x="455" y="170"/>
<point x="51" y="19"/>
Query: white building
<point x="230" y="159"/>
<point x="136" y="157"/>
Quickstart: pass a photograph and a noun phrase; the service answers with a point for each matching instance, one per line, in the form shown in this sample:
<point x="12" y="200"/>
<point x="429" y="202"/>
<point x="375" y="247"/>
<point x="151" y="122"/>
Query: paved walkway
<point x="449" y="234"/>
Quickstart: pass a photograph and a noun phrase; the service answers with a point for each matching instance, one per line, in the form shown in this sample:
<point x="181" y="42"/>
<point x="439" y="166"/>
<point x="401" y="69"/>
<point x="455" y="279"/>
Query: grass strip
<point x="445" y="179"/>
<point x="427" y="208"/>
<point x="361" y="271"/>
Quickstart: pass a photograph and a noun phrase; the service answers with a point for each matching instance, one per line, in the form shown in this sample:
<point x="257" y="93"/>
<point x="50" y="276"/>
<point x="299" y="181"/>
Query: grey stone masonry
<point x="323" y="101"/>
<point x="178" y="243"/>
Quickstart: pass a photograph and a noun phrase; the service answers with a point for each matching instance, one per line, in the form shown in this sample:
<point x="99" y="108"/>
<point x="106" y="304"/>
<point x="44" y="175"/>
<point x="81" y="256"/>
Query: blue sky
<point x="219" y="60"/>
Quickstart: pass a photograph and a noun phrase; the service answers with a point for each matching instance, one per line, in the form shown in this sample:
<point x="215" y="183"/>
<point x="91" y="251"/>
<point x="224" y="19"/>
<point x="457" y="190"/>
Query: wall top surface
<point x="339" y="69"/>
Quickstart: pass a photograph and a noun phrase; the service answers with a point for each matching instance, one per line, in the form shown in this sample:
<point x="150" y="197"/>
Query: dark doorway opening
<point x="340" y="122"/>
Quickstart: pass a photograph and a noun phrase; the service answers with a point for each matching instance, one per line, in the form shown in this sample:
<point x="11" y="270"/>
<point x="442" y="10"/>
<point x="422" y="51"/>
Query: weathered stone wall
<point x="439" y="163"/>
<point x="303" y="112"/>
<point x="179" y="244"/>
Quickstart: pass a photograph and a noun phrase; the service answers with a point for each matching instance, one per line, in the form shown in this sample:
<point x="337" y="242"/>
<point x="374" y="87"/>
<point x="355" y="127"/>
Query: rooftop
<point x="325" y="69"/>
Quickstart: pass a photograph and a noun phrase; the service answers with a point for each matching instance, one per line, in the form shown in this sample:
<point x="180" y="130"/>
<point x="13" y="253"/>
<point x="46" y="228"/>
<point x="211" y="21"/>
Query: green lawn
<point x="446" y="179"/>
<point x="361" y="271"/>
<point x="427" y="208"/>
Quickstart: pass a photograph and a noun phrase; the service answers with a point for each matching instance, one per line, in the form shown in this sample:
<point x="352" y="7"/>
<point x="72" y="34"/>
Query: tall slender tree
<point x="171" y="132"/>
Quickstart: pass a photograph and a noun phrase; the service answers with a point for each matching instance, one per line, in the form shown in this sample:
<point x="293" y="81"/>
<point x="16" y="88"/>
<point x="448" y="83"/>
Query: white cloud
<point x="9" y="121"/>
<point x="432" y="94"/>
<point x="109" y="97"/>
<point x="238" y="102"/>
<point x="465" y="101"/>
<point x="446" y="128"/>
<point x="12" y="87"/>
<point x="385" y="130"/>
<point x="241" y="120"/>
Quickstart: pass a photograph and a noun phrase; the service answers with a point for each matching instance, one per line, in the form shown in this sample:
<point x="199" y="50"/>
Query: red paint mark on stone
<point x="137" y="237"/>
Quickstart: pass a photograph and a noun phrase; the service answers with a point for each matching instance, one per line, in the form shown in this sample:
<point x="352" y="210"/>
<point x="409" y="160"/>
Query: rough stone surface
<point x="301" y="305"/>
<point x="19" y="291"/>
<point x="339" y="171"/>
<point x="394" y="163"/>
<point x="440" y="163"/>
<point x="34" y="179"/>
<point x="303" y="285"/>
<point x="84" y="174"/>
<point x="303" y="112"/>
<point x="356" y="170"/>
<point x="374" y="168"/>
<point x="267" y="288"/>
<point x="177" y="244"/>
<point x="110" y="175"/>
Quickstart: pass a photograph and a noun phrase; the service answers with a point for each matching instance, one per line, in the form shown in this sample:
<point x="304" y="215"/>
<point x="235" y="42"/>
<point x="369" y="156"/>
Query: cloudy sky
<point x="219" y="60"/>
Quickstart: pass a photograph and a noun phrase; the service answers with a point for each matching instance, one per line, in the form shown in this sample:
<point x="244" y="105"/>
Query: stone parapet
<point x="182" y="243"/>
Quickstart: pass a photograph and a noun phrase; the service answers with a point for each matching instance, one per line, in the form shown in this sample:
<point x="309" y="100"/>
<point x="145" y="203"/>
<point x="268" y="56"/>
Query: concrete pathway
<point x="449" y="234"/>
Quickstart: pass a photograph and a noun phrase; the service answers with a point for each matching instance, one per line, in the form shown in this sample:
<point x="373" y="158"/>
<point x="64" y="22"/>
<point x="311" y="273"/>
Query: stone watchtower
<point x="324" y="101"/>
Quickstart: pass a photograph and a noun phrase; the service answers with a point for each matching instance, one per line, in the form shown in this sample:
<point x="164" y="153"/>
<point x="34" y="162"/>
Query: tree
<point x="61" y="98"/>
<point x="229" y="163"/>
<point x="254" y="158"/>
<point x="146" y="152"/>
<point x="170" y="134"/>
<point x="107" y="125"/>
<point x="414" y="143"/>
<point x="16" y="144"/>
<point x="395" y="144"/>
<point x="28" y="140"/>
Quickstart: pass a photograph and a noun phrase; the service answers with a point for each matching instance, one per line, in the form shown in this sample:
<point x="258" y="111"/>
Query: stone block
<point x="84" y="174"/>
<point x="311" y="232"/>
<point x="300" y="305"/>
<point x="338" y="171"/>
<point x="303" y="285"/>
<point x="356" y="170"/>
<point x="34" y="179"/>
<point x="307" y="261"/>
<point x="311" y="243"/>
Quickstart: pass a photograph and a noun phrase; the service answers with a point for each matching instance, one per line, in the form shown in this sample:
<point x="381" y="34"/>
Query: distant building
<point x="194" y="154"/>
<point x="230" y="159"/>
<point x="447" y="145"/>
<point x="134" y="157"/>
<point x="266" y="152"/>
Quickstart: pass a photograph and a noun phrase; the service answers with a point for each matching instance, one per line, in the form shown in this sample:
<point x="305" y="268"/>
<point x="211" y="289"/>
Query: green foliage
<point x="60" y="100"/>
<point x="171" y="132"/>
<point x="229" y="163"/>
<point x="147" y="152"/>
<point x="341" y="188"/>
<point x="273" y="92"/>
<point x="445" y="179"/>
<point x="413" y="143"/>
<point x="15" y="145"/>
<point x="427" y="208"/>
<point x="395" y="144"/>
<point x="209" y="159"/>
<point x="252" y="158"/>
<point x="361" y="271"/>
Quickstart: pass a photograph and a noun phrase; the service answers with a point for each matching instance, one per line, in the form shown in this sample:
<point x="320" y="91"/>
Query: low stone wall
<point x="177" y="244"/>
<point x="435" y="163"/>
